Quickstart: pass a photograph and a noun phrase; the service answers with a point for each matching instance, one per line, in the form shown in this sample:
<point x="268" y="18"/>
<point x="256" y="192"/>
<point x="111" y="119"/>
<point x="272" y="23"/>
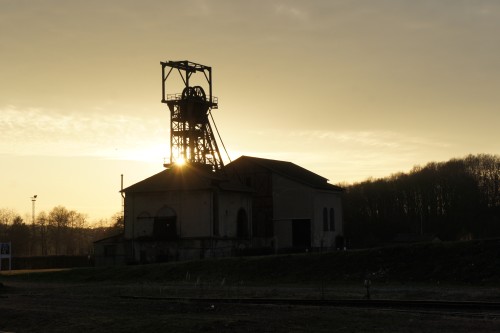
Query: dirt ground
<point x="58" y="307"/>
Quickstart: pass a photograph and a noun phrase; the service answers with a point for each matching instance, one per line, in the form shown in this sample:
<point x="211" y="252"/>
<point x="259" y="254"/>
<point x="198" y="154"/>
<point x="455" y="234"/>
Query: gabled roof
<point x="288" y="170"/>
<point x="186" y="177"/>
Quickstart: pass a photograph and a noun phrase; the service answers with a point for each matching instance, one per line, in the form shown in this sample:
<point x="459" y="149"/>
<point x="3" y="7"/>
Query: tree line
<point x="454" y="200"/>
<point x="57" y="232"/>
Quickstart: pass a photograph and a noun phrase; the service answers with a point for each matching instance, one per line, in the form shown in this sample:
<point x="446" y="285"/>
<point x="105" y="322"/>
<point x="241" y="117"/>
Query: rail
<point x="178" y="97"/>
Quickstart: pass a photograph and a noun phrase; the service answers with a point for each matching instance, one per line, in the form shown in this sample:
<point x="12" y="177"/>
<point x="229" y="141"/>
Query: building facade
<point x="182" y="213"/>
<point x="294" y="209"/>
<point x="256" y="206"/>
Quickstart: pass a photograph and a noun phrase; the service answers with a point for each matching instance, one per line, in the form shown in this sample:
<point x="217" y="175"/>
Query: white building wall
<point x="294" y="200"/>
<point x="192" y="208"/>
<point x="291" y="200"/>
<point x="193" y="211"/>
<point x="283" y="234"/>
<point x="328" y="200"/>
<point x="229" y="205"/>
<point x="195" y="217"/>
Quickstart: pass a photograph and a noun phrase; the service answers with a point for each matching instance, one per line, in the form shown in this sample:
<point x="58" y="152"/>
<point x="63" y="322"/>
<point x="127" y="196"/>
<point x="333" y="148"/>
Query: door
<point x="301" y="234"/>
<point x="164" y="228"/>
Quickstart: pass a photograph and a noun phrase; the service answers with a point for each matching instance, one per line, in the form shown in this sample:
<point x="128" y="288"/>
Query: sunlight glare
<point x="180" y="161"/>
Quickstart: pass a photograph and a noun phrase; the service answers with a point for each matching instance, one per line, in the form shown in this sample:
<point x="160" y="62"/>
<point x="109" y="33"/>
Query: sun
<point x="180" y="161"/>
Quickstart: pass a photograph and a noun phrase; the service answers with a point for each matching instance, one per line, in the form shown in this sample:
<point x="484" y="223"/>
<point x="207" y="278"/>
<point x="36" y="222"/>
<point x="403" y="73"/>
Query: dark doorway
<point x="301" y="234"/>
<point x="164" y="228"/>
<point x="339" y="242"/>
<point x="242" y="224"/>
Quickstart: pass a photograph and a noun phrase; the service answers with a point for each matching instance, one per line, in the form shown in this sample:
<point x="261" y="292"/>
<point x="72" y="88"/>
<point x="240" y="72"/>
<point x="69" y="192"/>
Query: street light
<point x="33" y="200"/>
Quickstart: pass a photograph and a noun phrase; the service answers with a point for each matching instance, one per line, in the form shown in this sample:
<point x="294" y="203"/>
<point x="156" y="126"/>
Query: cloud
<point x="292" y="12"/>
<point x="379" y="139"/>
<point x="344" y="156"/>
<point x="316" y="139"/>
<point x="36" y="131"/>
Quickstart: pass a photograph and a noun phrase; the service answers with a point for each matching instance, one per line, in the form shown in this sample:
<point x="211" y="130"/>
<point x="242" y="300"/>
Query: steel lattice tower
<point x="191" y="136"/>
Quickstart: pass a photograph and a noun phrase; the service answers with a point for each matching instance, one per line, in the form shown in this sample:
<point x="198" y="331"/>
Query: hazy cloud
<point x="345" y="156"/>
<point x="40" y="132"/>
<point x="292" y="12"/>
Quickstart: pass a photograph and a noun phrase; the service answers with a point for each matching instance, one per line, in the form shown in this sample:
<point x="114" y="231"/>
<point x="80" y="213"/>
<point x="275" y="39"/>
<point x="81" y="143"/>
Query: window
<point x="332" y="219"/>
<point x="328" y="219"/>
<point x="325" y="219"/>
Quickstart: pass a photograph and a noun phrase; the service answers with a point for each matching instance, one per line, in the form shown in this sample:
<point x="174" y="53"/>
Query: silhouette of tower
<point x="191" y="136"/>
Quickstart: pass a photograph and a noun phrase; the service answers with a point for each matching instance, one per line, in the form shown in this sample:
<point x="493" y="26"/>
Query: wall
<point x="293" y="200"/>
<point x="192" y="208"/>
<point x="283" y="234"/>
<point x="327" y="199"/>
<point x="110" y="253"/>
<point x="230" y="203"/>
<point x="195" y="224"/>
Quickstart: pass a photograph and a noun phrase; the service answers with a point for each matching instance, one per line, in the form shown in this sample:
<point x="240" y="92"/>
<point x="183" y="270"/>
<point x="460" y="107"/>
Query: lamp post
<point x="33" y="200"/>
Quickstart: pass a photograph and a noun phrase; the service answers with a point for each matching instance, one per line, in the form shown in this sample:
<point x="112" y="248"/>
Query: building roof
<point x="288" y="170"/>
<point x="112" y="239"/>
<point x="187" y="177"/>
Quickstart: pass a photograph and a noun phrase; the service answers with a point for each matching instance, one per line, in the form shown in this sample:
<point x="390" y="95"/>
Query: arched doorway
<point x="165" y="224"/>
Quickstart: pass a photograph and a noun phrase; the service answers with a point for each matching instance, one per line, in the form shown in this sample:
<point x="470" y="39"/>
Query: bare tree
<point x="19" y="235"/>
<point x="458" y="199"/>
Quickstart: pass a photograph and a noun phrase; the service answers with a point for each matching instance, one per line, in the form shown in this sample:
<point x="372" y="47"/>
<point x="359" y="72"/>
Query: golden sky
<point x="347" y="89"/>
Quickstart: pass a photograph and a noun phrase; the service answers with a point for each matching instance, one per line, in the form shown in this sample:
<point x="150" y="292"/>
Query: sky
<point x="349" y="89"/>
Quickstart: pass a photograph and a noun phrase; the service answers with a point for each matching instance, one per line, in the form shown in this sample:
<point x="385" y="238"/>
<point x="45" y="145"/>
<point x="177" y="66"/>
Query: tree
<point x="59" y="218"/>
<point x="6" y="218"/>
<point x="458" y="199"/>
<point x="19" y="235"/>
<point x="41" y="233"/>
<point x="59" y="232"/>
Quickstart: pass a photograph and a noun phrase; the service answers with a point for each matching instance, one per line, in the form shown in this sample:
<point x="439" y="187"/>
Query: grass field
<point x="91" y="299"/>
<point x="99" y="307"/>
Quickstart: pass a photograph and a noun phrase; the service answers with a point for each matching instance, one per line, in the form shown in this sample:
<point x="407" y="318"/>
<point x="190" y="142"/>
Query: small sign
<point x="5" y="249"/>
<point x="5" y="252"/>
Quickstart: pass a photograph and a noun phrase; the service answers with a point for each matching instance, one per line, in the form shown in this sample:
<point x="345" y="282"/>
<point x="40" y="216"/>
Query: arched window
<point x="242" y="224"/>
<point x="332" y="219"/>
<point x="165" y="211"/>
<point x="325" y="219"/>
